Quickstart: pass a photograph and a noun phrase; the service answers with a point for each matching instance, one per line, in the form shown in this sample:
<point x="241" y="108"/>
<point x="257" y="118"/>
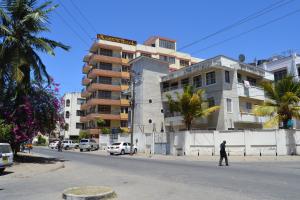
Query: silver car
<point x="6" y="156"/>
<point x="88" y="145"/>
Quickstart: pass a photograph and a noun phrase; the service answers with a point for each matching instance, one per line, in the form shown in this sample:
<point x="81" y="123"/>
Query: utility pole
<point x="132" y="105"/>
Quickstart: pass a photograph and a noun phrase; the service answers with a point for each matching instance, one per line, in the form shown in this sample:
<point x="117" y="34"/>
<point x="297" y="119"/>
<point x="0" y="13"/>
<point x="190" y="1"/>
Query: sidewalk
<point x="200" y="158"/>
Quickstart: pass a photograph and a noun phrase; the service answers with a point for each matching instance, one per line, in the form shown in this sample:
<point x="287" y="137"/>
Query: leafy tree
<point x="83" y="135"/>
<point x="22" y="21"/>
<point x="100" y="123"/>
<point x="106" y="131"/>
<point x="5" y="132"/>
<point x="282" y="104"/>
<point x="191" y="105"/>
<point x="41" y="140"/>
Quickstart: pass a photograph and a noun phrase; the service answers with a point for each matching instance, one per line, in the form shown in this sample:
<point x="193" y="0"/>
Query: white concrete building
<point x="72" y="113"/>
<point x="149" y="130"/>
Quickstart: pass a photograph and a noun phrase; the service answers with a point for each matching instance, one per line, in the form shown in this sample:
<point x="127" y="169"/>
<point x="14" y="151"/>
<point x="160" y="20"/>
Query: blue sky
<point x="185" y="21"/>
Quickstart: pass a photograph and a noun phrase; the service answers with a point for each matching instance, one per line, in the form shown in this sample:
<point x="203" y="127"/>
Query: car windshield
<point x="82" y="141"/>
<point x="5" y="149"/>
<point x="66" y="142"/>
<point x="116" y="143"/>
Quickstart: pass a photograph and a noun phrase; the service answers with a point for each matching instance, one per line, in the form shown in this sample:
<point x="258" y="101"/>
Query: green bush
<point x="5" y="132"/>
<point x="41" y="140"/>
<point x="106" y="131"/>
<point x="83" y="135"/>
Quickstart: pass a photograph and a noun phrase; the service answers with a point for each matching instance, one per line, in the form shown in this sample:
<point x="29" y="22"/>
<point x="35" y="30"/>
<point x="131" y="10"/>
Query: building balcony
<point x="124" y="102"/>
<point x="96" y="101"/>
<point x="108" y="59"/>
<point x="124" y="116"/>
<point x="83" y="119"/>
<point x="85" y="80"/>
<point x="108" y="87"/>
<point x="94" y="116"/>
<point x="86" y="69"/>
<point x="107" y="73"/>
<point x="251" y="118"/>
<point x="178" y="121"/>
<point x="251" y="92"/>
<point x="85" y="93"/>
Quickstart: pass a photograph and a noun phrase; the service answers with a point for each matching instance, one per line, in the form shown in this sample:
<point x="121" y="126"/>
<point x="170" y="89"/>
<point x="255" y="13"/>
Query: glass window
<point x="227" y="77"/>
<point x="104" y="94"/>
<point x="79" y="125"/>
<point x="104" y="109"/>
<point x="66" y="126"/>
<point x="146" y="55"/>
<point x="166" y="44"/>
<point x="67" y="114"/>
<point x="239" y="77"/>
<point x="106" y="52"/>
<point x="172" y="60"/>
<point x="197" y="81"/>
<point x="124" y="109"/>
<point x="124" y="123"/>
<point x="249" y="106"/>
<point x="104" y="66"/>
<point x="210" y="78"/>
<point x="125" y="68"/>
<point x="80" y="101"/>
<point x="174" y="86"/>
<point x="79" y="113"/>
<point x="280" y="75"/>
<point x="211" y="102"/>
<point x="104" y="80"/>
<point x="185" y="82"/>
<point x="229" y="105"/>
<point x="127" y="55"/>
<point x="184" y="63"/>
<point x="68" y="102"/>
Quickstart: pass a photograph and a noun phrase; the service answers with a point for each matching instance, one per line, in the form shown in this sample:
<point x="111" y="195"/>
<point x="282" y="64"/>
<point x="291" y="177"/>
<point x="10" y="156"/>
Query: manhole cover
<point x="89" y="193"/>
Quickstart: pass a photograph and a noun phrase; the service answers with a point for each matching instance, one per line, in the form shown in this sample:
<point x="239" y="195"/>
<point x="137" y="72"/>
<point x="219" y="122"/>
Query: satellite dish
<point x="242" y="57"/>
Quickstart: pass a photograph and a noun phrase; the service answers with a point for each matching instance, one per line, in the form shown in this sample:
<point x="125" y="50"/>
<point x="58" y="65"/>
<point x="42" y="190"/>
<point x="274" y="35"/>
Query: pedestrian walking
<point x="59" y="146"/>
<point x="223" y="153"/>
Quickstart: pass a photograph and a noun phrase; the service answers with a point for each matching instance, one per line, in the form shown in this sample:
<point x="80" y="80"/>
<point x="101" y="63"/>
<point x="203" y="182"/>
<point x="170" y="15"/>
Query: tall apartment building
<point x="72" y="113"/>
<point x="228" y="83"/>
<point x="107" y="70"/>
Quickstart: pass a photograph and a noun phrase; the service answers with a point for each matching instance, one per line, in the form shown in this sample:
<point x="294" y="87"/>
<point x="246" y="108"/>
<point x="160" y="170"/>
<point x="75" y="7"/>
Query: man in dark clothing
<point x="223" y="153"/>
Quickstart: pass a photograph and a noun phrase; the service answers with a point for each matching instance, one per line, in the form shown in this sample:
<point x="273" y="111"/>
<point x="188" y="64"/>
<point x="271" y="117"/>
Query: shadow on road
<point x="19" y="159"/>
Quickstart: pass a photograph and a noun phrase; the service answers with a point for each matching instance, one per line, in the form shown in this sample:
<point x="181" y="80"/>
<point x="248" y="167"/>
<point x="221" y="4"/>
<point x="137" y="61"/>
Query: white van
<point x="6" y="156"/>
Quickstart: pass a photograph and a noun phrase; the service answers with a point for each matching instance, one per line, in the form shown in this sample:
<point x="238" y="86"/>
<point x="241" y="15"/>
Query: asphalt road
<point x="156" y="179"/>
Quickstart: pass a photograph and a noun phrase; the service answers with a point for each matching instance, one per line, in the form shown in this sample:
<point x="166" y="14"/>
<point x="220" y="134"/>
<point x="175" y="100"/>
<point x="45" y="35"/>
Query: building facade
<point x="72" y="102"/>
<point x="107" y="75"/>
<point x="227" y="83"/>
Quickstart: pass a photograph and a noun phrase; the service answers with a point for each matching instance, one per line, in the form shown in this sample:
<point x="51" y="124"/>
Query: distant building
<point x="107" y="75"/>
<point x="228" y="83"/>
<point x="72" y="113"/>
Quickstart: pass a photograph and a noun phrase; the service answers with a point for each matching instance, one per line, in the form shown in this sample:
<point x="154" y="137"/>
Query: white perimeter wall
<point x="266" y="142"/>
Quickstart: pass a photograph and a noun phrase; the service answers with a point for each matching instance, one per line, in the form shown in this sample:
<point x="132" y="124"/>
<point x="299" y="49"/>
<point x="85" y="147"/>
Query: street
<point x="158" y="179"/>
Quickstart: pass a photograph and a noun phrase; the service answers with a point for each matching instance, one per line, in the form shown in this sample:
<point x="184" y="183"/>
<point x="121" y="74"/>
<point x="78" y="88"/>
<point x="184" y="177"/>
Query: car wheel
<point x="111" y="154"/>
<point x="122" y="152"/>
<point x="66" y="148"/>
<point x="88" y="149"/>
<point x="2" y="170"/>
<point x="134" y="151"/>
<point x="81" y="150"/>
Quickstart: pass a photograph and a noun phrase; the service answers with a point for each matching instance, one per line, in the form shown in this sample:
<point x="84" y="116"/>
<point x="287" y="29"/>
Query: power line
<point x="248" y="31"/>
<point x="71" y="28"/>
<point x="242" y="21"/>
<point x="83" y="16"/>
<point x="74" y="19"/>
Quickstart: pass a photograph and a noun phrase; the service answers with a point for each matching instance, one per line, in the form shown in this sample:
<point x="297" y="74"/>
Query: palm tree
<point x="282" y="104"/>
<point x="21" y="24"/>
<point x="191" y="105"/>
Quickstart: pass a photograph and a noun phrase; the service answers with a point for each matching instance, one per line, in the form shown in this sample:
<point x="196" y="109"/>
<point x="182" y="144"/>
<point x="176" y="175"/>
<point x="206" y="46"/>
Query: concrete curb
<point x="89" y="193"/>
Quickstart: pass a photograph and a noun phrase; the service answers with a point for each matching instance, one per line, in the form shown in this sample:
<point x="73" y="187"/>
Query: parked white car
<point x="88" y="145"/>
<point x="6" y="156"/>
<point x="69" y="144"/>
<point x="120" y="148"/>
<point x="53" y="145"/>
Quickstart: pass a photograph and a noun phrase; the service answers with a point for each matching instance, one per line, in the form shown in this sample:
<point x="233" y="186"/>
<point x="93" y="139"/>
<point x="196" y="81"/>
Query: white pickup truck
<point x="69" y="144"/>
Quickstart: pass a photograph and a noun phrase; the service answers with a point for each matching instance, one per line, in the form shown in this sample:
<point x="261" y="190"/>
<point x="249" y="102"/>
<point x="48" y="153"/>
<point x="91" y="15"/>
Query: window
<point x="79" y="113"/>
<point x="249" y="106"/>
<point x="104" y="109"/>
<point x="104" y="94"/>
<point x="125" y="81"/>
<point x="125" y="68"/>
<point x="79" y="125"/>
<point x="174" y="86"/>
<point x="197" y="81"/>
<point x="162" y="110"/>
<point x="104" y="80"/>
<point x="280" y="75"/>
<point x="146" y="55"/>
<point x="167" y="44"/>
<point x="66" y="127"/>
<point x="211" y="102"/>
<point x="68" y="102"/>
<point x="210" y="78"/>
<point x="185" y="82"/>
<point x="150" y="121"/>
<point x="104" y="66"/>
<point x="239" y="77"/>
<point x="106" y="52"/>
<point x="229" y="105"/>
<point x="170" y="60"/>
<point x="124" y="109"/>
<point x="124" y="123"/>
<point x="150" y="100"/>
<point x="227" y="77"/>
<point x="184" y="63"/>
<point x="67" y="114"/>
<point x="251" y="80"/>
<point x="165" y="86"/>
<point x="127" y="55"/>
<point x="80" y="101"/>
